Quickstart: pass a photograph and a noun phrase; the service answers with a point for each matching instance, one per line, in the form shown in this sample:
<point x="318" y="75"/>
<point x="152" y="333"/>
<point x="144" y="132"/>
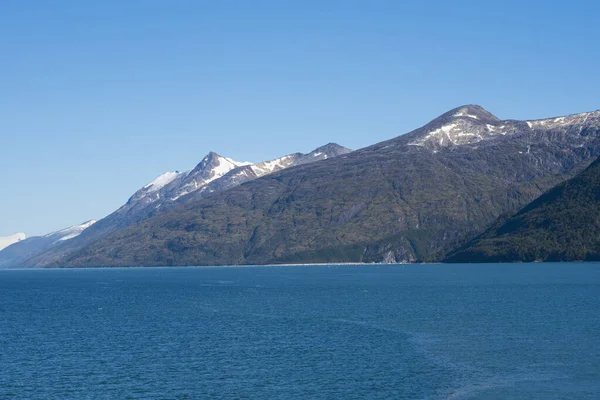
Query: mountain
<point x="211" y="176"/>
<point x="407" y="199"/>
<point x="15" y="254"/>
<point x="172" y="186"/>
<point x="253" y="171"/>
<point x="561" y="225"/>
<point x="6" y="241"/>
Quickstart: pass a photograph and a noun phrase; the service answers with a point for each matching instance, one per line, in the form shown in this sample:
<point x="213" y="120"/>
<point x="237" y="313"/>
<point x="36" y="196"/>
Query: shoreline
<point x="242" y="266"/>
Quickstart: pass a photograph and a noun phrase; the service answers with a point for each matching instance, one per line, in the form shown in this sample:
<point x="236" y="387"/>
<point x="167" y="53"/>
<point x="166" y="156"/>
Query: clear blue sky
<point x="99" y="97"/>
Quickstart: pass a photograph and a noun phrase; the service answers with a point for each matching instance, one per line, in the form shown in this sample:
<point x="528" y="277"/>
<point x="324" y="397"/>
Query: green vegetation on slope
<point x="561" y="225"/>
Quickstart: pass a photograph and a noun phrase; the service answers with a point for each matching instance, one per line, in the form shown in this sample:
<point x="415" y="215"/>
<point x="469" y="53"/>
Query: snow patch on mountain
<point x="211" y="168"/>
<point x="463" y="125"/>
<point x="162" y="181"/>
<point x="268" y="167"/>
<point x="456" y="132"/>
<point x="6" y="241"/>
<point x="237" y="163"/>
<point x="558" y="122"/>
<point x="463" y="113"/>
<point x="70" y="232"/>
<point x="76" y="230"/>
<point x="224" y="165"/>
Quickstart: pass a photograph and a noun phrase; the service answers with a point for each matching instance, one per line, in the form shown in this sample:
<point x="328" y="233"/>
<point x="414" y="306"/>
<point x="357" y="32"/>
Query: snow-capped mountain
<point x="464" y="125"/>
<point x="26" y="248"/>
<point x="170" y="186"/>
<point x="249" y="172"/>
<point x="212" y="175"/>
<point x="212" y="167"/>
<point x="6" y="241"/>
<point x="472" y="124"/>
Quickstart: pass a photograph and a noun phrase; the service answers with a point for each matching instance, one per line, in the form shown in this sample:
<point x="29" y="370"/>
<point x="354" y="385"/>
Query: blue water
<point x="340" y="332"/>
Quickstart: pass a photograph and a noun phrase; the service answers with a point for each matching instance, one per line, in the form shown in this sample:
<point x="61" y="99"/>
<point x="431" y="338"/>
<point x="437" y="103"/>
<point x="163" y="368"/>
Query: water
<point x="345" y="332"/>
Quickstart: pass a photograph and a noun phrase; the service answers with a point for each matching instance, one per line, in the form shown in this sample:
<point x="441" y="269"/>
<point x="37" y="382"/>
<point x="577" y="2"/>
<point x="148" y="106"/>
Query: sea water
<point x="337" y="332"/>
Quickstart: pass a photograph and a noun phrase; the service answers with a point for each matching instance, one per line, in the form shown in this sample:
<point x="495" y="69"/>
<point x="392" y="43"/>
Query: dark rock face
<point x="408" y="199"/>
<point x="213" y="175"/>
<point x="561" y="225"/>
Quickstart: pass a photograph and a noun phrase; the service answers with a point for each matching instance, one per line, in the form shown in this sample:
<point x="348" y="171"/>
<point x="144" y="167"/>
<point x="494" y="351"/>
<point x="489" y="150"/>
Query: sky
<point x="98" y="98"/>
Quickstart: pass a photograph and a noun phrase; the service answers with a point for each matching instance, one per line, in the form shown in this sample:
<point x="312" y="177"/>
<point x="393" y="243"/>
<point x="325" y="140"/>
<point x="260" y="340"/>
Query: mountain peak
<point x="462" y="125"/>
<point x="210" y="158"/>
<point x="472" y="111"/>
<point x="212" y="166"/>
<point x="332" y="149"/>
<point x="213" y="159"/>
<point x="211" y="155"/>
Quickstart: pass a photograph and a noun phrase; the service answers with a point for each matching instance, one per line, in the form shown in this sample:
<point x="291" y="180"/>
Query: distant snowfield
<point x="8" y="240"/>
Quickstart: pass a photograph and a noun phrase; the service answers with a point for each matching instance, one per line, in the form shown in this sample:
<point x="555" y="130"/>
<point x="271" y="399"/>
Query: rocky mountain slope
<point x="561" y="225"/>
<point x="211" y="176"/>
<point x="407" y="199"/>
<point x="15" y="254"/>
